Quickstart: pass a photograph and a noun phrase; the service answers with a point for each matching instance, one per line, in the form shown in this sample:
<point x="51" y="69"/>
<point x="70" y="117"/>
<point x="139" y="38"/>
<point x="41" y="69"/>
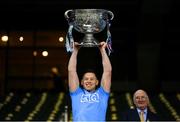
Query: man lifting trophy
<point x="89" y="22"/>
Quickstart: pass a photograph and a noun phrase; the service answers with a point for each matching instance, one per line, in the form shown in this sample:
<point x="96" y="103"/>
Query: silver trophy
<point x="89" y="22"/>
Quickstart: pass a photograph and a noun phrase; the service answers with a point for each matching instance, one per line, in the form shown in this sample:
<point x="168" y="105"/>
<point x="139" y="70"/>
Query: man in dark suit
<point x="140" y="112"/>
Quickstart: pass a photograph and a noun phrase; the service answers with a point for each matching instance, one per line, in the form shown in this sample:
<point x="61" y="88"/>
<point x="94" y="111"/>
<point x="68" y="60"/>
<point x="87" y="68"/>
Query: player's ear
<point x="97" y="81"/>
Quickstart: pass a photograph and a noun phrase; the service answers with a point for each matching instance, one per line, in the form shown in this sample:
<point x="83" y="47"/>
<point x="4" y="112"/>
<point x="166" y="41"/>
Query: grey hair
<point x="146" y="95"/>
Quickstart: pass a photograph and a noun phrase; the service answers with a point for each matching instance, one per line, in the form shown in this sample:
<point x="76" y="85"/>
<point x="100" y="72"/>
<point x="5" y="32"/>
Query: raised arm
<point x="73" y="79"/>
<point x="107" y="68"/>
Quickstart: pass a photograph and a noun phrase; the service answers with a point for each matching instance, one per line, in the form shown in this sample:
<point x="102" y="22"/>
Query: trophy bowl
<point x="88" y="22"/>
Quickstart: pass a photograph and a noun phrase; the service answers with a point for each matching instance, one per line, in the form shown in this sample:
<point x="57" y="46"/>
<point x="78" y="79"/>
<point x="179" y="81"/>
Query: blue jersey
<point x="87" y="106"/>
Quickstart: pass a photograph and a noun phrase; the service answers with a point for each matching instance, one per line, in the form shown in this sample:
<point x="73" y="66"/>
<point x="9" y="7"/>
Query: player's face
<point x="89" y="81"/>
<point x="141" y="100"/>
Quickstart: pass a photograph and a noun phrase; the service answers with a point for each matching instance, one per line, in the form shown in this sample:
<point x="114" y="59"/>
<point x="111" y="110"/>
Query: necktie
<point x="141" y="116"/>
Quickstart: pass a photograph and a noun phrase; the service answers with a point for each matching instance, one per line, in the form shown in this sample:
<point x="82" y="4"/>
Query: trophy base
<point x="89" y="41"/>
<point x="88" y="44"/>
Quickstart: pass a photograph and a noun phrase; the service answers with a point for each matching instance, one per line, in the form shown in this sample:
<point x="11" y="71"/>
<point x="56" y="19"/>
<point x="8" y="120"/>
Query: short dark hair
<point x="88" y="71"/>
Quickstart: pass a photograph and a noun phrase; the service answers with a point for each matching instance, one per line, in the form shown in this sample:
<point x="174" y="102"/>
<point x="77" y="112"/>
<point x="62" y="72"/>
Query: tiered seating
<point x="32" y="106"/>
<point x="52" y="106"/>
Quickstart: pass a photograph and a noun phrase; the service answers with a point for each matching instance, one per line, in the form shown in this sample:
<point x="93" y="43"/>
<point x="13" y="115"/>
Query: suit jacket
<point x="133" y="115"/>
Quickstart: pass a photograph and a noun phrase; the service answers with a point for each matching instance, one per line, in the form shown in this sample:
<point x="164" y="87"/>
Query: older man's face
<point x="141" y="99"/>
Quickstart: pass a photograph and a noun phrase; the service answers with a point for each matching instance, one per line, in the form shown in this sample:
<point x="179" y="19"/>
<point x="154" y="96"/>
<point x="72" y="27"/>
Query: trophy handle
<point x="67" y="13"/>
<point x="108" y="40"/>
<point x="111" y="14"/>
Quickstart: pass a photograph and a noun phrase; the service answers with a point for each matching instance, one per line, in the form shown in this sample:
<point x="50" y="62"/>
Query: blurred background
<point x="33" y="57"/>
